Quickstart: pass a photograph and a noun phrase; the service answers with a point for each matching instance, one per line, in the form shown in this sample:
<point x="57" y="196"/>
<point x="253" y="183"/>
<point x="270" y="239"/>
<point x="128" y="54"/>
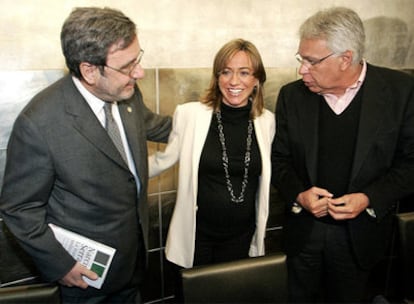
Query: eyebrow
<point x="309" y="58"/>
<point x="241" y="68"/>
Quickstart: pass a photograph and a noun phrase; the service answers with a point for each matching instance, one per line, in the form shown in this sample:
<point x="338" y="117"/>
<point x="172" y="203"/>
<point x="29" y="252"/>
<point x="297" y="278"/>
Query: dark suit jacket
<point x="383" y="165"/>
<point x="63" y="168"/>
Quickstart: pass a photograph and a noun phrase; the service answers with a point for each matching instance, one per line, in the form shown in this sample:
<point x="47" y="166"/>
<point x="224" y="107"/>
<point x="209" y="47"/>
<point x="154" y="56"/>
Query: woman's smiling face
<point x="237" y="80"/>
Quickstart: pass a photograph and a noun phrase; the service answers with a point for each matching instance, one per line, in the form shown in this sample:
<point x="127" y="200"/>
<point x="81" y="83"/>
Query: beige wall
<point x="187" y="33"/>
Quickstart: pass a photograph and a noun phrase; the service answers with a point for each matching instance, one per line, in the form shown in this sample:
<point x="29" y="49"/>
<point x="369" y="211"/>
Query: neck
<point x="350" y="76"/>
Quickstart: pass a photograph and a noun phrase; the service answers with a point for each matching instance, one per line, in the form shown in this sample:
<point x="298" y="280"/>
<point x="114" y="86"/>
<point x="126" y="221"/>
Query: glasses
<point x="127" y="71"/>
<point x="242" y="74"/>
<point x="307" y="61"/>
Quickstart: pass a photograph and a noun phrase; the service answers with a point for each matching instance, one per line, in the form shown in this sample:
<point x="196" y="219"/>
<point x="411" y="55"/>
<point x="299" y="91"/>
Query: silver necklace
<point x="225" y="159"/>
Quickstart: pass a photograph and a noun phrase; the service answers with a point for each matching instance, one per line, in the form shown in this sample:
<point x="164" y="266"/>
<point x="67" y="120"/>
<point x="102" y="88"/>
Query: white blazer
<point x="191" y="123"/>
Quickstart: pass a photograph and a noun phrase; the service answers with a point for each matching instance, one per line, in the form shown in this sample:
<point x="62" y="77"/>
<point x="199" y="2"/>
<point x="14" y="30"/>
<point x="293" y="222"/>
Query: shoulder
<point x="266" y="115"/>
<point x="192" y="105"/>
<point x="192" y="108"/>
<point x="293" y="85"/>
<point x="266" y="119"/>
<point x="190" y="113"/>
<point x="390" y="76"/>
<point x="295" y="91"/>
<point x="49" y="99"/>
<point x="56" y="89"/>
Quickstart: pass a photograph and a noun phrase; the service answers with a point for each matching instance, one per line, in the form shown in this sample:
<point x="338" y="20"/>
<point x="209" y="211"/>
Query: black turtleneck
<point x="218" y="218"/>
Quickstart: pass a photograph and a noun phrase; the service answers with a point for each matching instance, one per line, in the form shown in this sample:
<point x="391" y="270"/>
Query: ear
<point x="347" y="57"/>
<point x="89" y="72"/>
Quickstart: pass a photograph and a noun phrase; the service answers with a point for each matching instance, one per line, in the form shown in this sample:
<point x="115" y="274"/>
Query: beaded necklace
<point x="225" y="159"/>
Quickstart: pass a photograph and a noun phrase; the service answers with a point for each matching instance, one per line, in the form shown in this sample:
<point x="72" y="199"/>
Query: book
<point x="91" y="254"/>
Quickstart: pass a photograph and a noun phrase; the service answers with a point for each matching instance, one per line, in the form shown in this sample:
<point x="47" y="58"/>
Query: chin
<point x="128" y="92"/>
<point x="315" y="89"/>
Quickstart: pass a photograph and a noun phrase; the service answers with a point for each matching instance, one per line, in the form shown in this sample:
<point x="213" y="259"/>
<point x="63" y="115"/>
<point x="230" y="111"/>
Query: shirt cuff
<point x="371" y="212"/>
<point x="296" y="208"/>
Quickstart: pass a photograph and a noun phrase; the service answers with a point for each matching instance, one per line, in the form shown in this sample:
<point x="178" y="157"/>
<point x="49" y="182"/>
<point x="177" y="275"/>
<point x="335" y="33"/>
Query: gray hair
<point x="340" y="27"/>
<point x="89" y="32"/>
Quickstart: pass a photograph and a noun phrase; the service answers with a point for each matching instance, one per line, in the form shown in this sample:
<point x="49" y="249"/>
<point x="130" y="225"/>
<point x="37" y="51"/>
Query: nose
<point x="303" y="69"/>
<point x="138" y="72"/>
<point x="235" y="78"/>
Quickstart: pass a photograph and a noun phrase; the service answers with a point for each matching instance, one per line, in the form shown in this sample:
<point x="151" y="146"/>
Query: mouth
<point x="309" y="83"/>
<point x="130" y="85"/>
<point x="235" y="92"/>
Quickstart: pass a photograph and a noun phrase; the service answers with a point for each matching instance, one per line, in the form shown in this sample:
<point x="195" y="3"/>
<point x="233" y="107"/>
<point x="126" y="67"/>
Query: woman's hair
<point x="88" y="34"/>
<point x="213" y="96"/>
<point x="340" y="27"/>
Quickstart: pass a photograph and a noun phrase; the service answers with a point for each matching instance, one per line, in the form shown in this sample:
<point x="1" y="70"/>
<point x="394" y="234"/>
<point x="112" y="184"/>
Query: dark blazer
<point x="383" y="165"/>
<point x="63" y="168"/>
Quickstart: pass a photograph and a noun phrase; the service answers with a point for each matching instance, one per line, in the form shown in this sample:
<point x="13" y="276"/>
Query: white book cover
<point x="91" y="254"/>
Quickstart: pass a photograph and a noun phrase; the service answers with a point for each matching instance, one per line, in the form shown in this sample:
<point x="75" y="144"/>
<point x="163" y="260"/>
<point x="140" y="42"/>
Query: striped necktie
<point x="113" y="130"/>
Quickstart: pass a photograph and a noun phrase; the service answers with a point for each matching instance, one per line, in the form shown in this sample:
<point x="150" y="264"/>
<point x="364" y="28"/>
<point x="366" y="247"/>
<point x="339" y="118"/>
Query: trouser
<point x="208" y="251"/>
<point x="326" y="269"/>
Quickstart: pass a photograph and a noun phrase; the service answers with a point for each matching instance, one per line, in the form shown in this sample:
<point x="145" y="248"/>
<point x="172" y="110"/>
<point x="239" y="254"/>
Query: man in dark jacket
<point x="343" y="155"/>
<point x="63" y="167"/>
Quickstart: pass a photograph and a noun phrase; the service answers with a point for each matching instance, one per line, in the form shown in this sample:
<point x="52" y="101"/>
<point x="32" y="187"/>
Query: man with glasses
<point x="77" y="158"/>
<point x="343" y="155"/>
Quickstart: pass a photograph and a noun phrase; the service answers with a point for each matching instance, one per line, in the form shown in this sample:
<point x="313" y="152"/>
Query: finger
<point x="82" y="284"/>
<point x="90" y="274"/>
<point x="337" y="210"/>
<point x="338" y="202"/>
<point x="322" y="192"/>
<point x="323" y="211"/>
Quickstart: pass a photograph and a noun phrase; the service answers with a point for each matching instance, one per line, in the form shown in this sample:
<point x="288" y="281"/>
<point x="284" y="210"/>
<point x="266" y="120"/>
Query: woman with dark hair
<point x="223" y="147"/>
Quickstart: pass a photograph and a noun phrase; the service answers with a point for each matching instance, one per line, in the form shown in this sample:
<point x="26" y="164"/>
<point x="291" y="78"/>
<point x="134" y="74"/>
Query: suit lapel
<point x="309" y="118"/>
<point x="87" y="124"/>
<point x="374" y="101"/>
<point x="202" y="121"/>
<point x="127" y="111"/>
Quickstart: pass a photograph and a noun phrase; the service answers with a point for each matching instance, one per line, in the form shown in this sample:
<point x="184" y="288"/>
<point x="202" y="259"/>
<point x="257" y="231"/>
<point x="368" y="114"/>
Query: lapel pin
<point x="129" y="109"/>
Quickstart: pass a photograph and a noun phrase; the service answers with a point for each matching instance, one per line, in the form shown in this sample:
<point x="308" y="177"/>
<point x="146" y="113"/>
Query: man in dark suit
<point x="343" y="155"/>
<point x="63" y="168"/>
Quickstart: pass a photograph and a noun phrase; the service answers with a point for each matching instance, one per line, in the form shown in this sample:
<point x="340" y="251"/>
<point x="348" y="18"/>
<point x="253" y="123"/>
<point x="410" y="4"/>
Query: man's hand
<point x="348" y="206"/>
<point x="315" y="200"/>
<point x="74" y="276"/>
